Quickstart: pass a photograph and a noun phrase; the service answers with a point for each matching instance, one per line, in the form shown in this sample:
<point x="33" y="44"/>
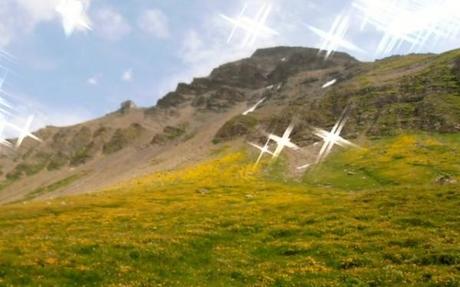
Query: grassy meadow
<point x="386" y="215"/>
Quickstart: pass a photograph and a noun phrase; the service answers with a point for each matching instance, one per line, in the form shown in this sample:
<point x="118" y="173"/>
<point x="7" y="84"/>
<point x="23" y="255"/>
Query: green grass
<point x="54" y="186"/>
<point x="397" y="228"/>
<point x="397" y="94"/>
<point x="236" y="127"/>
<point x="122" y="137"/>
<point x="406" y="160"/>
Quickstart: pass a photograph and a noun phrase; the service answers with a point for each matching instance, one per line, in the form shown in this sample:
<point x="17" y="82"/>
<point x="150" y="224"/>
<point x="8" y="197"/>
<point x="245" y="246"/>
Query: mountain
<point x="170" y="195"/>
<point x="387" y="97"/>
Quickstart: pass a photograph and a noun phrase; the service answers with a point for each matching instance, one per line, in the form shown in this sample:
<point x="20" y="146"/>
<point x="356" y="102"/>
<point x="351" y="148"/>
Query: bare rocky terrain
<point x="410" y="93"/>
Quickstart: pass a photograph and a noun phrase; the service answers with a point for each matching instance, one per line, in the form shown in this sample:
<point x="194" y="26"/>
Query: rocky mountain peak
<point x="387" y="97"/>
<point x="281" y="52"/>
<point x="266" y="67"/>
<point x="127" y="106"/>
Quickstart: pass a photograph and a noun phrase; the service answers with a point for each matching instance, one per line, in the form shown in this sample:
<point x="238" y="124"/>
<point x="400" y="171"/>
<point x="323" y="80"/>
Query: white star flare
<point x="3" y="141"/>
<point x="332" y="138"/>
<point x="4" y="105"/>
<point x="335" y="38"/>
<point x="304" y="166"/>
<point x="8" y="111"/>
<point x="73" y="16"/>
<point x="414" y="22"/>
<point x="253" y="108"/>
<point x="7" y="56"/>
<point x="283" y="141"/>
<point x="2" y="81"/>
<point x="24" y="132"/>
<point x="328" y="84"/>
<point x="263" y="150"/>
<point x="254" y="27"/>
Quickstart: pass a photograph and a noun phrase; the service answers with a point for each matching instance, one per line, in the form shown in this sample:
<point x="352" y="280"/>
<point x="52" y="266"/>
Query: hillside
<point x="386" y="215"/>
<point x="170" y="195"/>
<point x="388" y="97"/>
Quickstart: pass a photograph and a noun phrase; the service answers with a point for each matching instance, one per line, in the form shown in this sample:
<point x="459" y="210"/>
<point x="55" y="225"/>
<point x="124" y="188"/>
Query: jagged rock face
<point x="307" y="61"/>
<point x="123" y="137"/>
<point x="169" y="134"/>
<point x="270" y="58"/>
<point x="244" y="74"/>
<point x="391" y="96"/>
<point x="172" y="99"/>
<point x="394" y="95"/>
<point x="239" y="126"/>
<point x="264" y="68"/>
<point x="407" y="102"/>
<point x="127" y="106"/>
<point x="223" y="99"/>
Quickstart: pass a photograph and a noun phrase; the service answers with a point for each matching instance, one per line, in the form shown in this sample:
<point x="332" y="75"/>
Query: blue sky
<point x="141" y="49"/>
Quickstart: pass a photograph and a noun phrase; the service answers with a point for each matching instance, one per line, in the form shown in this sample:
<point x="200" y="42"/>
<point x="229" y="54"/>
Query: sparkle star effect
<point x="254" y="27"/>
<point x="3" y="142"/>
<point x="304" y="166"/>
<point x="330" y="83"/>
<point x="281" y="143"/>
<point x="8" y="114"/>
<point x="335" y="38"/>
<point x="24" y="132"/>
<point x="2" y="81"/>
<point x="4" y="105"/>
<point x="413" y="22"/>
<point x="253" y="108"/>
<point x="4" y="55"/>
<point x="332" y="138"/>
<point x="73" y="16"/>
<point x="263" y="150"/>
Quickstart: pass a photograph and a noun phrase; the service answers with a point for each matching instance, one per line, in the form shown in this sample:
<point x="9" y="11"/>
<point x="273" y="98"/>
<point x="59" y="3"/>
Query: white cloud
<point x="111" y="25"/>
<point x="205" y="46"/>
<point x="73" y="13"/>
<point x="127" y="75"/>
<point x="191" y="45"/>
<point x="62" y="118"/>
<point x="94" y="80"/>
<point x="43" y="64"/>
<point x="154" y="22"/>
<point x="42" y="10"/>
<point x="56" y="116"/>
<point x="9" y="26"/>
<point x="26" y="105"/>
<point x="5" y="35"/>
<point x="201" y="53"/>
<point x="206" y="50"/>
<point x="19" y="17"/>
